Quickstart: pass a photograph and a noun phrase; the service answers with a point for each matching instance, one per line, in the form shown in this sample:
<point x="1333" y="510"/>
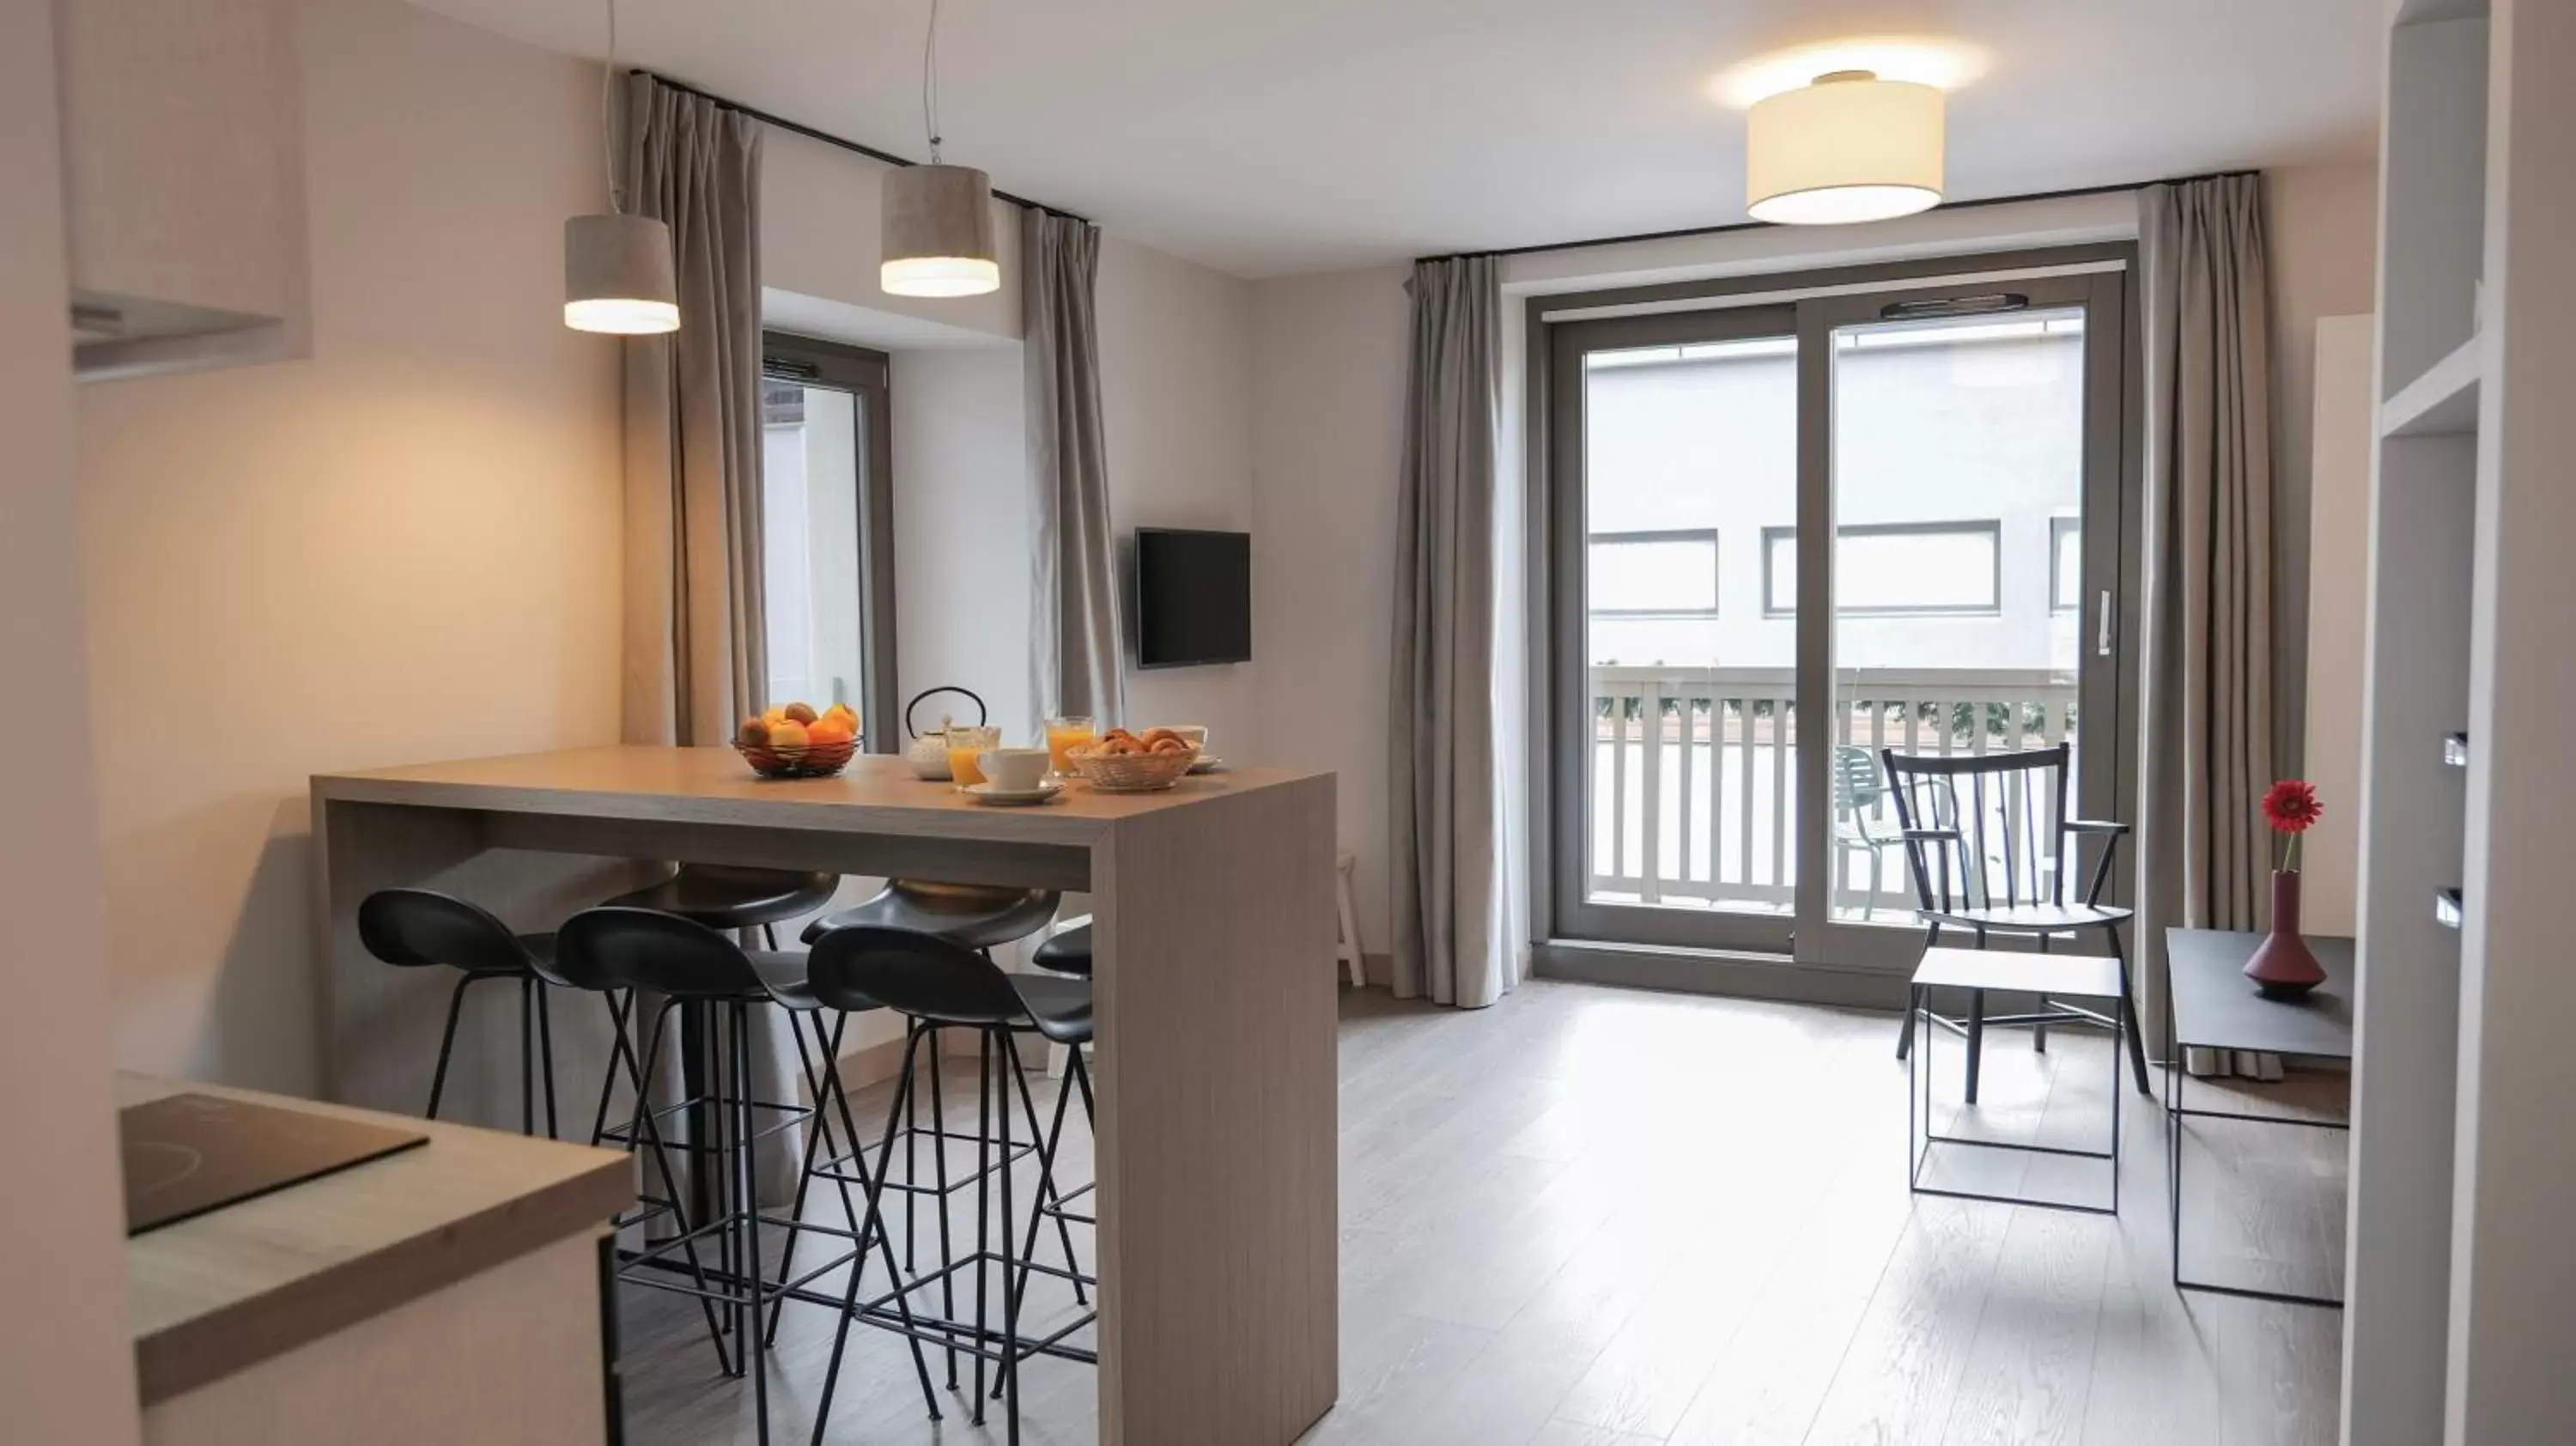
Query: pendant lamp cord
<point x="608" y="115"/>
<point x="929" y="82"/>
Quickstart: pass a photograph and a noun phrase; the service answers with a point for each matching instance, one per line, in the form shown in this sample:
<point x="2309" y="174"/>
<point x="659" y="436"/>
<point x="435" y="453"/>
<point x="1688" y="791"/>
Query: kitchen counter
<point x="232" y="1309"/>
<point x="1215" y="1001"/>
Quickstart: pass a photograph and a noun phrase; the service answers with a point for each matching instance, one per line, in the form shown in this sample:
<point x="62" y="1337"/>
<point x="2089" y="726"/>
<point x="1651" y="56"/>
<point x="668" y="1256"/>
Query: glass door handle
<point x="2102" y="632"/>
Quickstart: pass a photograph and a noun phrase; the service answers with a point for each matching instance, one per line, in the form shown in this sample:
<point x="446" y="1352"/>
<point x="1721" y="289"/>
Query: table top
<point x="876" y="794"/>
<point x="2077" y="976"/>
<point x="2215" y="1006"/>
<point x="211" y="1295"/>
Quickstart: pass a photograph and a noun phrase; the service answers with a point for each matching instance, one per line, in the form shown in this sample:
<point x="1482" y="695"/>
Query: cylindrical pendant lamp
<point x="1850" y="147"/>
<point x="938" y="232"/>
<point x="618" y="277"/>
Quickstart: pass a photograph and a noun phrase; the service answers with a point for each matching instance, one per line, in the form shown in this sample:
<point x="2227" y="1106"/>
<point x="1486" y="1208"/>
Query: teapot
<point x="928" y="752"/>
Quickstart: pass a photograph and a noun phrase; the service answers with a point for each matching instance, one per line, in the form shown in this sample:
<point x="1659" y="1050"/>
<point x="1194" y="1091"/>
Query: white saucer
<point x="1010" y="797"/>
<point x="1208" y="764"/>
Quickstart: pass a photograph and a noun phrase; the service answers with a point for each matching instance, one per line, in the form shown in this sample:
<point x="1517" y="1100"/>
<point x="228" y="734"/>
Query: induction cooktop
<point x="188" y="1154"/>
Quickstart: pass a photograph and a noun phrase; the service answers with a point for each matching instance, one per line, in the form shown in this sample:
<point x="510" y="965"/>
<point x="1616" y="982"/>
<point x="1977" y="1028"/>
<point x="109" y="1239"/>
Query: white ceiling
<point x="1265" y="137"/>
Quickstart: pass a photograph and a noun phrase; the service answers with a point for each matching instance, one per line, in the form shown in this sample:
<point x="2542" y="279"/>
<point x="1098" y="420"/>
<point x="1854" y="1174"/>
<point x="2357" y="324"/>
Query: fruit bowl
<point x="813" y="760"/>
<point x="795" y="741"/>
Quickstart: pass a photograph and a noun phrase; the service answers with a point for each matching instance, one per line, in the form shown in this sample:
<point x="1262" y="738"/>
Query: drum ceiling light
<point x="618" y="276"/>
<point x="937" y="229"/>
<point x="1847" y="147"/>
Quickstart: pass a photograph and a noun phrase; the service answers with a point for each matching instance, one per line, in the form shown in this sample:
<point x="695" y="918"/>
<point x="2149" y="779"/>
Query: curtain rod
<point x="1688" y="231"/>
<point x="826" y="137"/>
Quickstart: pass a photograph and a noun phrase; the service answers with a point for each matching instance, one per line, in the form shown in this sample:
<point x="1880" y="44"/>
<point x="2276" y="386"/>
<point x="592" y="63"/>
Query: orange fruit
<point x="829" y="732"/>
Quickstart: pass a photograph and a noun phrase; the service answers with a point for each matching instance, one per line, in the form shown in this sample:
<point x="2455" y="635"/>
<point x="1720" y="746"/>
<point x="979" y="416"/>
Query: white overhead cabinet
<point x="183" y="177"/>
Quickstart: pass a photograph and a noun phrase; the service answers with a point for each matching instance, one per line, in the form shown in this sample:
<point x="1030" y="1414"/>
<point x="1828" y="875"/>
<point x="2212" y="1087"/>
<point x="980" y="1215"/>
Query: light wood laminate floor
<point x="1596" y="1217"/>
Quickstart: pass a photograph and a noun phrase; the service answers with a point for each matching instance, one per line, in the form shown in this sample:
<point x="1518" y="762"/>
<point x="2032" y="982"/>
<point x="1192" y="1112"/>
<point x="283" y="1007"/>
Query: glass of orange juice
<point x="964" y="742"/>
<point x="1063" y="734"/>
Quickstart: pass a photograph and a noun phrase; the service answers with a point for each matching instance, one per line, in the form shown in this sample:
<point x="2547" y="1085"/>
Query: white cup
<point x="1013" y="770"/>
<point x="1196" y="733"/>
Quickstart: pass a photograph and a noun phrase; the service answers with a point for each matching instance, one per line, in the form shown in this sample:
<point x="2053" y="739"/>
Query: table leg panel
<point x="1213" y="946"/>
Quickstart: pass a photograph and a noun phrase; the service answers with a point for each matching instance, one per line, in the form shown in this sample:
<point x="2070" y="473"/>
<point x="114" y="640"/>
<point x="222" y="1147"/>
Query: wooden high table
<point x="1212" y="946"/>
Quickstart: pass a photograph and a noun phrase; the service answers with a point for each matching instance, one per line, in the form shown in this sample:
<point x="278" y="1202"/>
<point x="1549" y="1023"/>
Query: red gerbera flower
<point x="2291" y="806"/>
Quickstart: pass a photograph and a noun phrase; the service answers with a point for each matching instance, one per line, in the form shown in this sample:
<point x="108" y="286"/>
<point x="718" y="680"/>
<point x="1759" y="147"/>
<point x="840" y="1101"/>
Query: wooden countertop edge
<point x="1015" y="826"/>
<point x="206" y="1348"/>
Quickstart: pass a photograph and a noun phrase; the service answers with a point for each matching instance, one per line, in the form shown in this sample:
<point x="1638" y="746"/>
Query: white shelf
<point x="2443" y="402"/>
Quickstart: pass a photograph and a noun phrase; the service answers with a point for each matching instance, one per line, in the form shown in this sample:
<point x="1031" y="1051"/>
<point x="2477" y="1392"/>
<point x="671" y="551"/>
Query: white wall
<point x="2346" y="426"/>
<point x="963" y="529"/>
<point x="403" y="549"/>
<point x="1176" y="401"/>
<point x="2323" y="225"/>
<point x="66" y="1354"/>
<point x="1328" y="429"/>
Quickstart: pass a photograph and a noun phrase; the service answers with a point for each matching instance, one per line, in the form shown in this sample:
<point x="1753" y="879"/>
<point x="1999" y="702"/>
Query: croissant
<point x="1168" y="743"/>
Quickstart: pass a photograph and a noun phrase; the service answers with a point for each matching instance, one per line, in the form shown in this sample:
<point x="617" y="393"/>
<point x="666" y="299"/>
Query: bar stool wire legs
<point x="938" y="984"/>
<point x="693" y="967"/>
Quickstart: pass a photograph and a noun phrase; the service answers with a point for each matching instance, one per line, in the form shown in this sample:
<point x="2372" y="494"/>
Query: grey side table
<point x="2210" y="1004"/>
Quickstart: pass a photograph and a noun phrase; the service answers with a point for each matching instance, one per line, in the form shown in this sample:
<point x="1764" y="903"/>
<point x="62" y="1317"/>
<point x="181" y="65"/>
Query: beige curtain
<point x="2207" y="718"/>
<point x="1453" y="940"/>
<point x="1074" y="591"/>
<point x="696" y="655"/>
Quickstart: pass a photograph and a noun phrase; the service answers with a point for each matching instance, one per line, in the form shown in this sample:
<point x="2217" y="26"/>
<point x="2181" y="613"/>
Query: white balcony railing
<point x="1694" y="769"/>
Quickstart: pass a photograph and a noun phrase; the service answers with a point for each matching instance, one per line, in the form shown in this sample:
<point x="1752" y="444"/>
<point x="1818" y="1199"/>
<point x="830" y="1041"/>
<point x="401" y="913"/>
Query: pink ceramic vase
<point x="2282" y="967"/>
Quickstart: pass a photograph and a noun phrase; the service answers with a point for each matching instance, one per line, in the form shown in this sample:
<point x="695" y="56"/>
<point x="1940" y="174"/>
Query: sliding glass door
<point x="1790" y="534"/>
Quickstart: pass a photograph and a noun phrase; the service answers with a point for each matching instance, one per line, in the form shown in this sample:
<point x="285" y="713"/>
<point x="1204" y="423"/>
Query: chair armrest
<point x="1928" y="835"/>
<point x="2111" y="834"/>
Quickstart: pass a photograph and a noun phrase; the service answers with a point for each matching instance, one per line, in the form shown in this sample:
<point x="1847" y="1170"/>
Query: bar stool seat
<point x="724" y="897"/>
<point x="782" y="980"/>
<point x="1066" y="953"/>
<point x="978" y="916"/>
<point x="422" y="928"/>
<point x="1059" y="1009"/>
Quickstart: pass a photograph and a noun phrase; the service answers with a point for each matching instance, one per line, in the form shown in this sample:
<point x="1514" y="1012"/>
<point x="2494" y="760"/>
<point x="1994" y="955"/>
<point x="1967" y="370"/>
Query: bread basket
<point x="1130" y="772"/>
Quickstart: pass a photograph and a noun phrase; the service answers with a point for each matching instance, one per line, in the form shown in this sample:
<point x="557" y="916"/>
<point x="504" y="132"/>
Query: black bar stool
<point x="421" y="928"/>
<point x="690" y="964"/>
<point x="982" y="917"/>
<point x="936" y="983"/>
<point x="726" y="896"/>
<point x="1068" y="952"/>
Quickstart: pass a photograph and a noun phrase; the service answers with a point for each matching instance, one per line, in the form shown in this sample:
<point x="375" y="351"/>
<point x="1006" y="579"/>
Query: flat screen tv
<point x="1193" y="597"/>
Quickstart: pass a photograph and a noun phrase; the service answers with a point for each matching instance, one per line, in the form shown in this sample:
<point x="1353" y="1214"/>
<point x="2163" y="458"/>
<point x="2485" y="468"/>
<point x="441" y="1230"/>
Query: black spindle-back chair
<point x="1992" y="849"/>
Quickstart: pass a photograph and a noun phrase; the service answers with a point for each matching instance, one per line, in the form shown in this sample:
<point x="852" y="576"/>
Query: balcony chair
<point x="1989" y="844"/>
<point x="1861" y="824"/>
